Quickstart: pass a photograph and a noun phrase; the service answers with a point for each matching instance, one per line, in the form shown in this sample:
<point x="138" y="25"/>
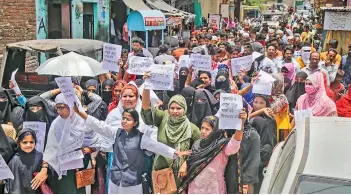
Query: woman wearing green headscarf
<point x="174" y="129"/>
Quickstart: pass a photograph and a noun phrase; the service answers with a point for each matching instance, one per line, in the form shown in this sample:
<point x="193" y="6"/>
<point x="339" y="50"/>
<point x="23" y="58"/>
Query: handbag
<point x="163" y="181"/>
<point x="85" y="177"/>
<point x="44" y="188"/>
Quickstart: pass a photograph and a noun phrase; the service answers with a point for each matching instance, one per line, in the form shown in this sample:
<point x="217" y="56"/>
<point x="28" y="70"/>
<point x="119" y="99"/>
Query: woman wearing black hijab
<point x="183" y="74"/>
<point x="242" y="168"/>
<point x="6" y="106"/>
<point x="188" y="94"/>
<point x="204" y="104"/>
<point x="222" y="81"/>
<point x="37" y="109"/>
<point x="296" y="90"/>
<point x="106" y="90"/>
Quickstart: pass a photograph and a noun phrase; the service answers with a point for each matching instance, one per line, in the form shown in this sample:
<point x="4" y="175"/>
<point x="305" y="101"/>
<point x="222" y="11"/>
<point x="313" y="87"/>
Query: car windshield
<point x="318" y="185"/>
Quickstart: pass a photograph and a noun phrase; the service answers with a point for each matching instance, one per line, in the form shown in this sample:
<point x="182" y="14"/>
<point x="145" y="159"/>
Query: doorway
<point x="88" y="21"/>
<point x="54" y="21"/>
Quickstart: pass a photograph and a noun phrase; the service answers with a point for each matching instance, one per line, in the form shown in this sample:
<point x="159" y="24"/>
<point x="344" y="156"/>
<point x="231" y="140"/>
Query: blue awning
<point x="144" y="20"/>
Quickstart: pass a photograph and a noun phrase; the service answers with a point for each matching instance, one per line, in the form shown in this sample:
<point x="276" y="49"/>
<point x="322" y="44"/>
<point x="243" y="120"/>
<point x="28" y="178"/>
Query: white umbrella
<point x="71" y="64"/>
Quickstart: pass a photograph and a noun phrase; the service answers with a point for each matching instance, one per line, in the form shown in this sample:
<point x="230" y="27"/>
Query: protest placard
<point x="242" y="63"/>
<point x="301" y="115"/>
<point x="111" y="55"/>
<point x="230" y="108"/>
<point x="70" y="156"/>
<point x="66" y="86"/>
<point x="184" y="61"/>
<point x="201" y="62"/>
<point x="73" y="145"/>
<point x="5" y="172"/>
<point x="139" y="65"/>
<point x="263" y="85"/>
<point x="74" y="164"/>
<point x="40" y="130"/>
<point x="162" y="77"/>
<point x="14" y="83"/>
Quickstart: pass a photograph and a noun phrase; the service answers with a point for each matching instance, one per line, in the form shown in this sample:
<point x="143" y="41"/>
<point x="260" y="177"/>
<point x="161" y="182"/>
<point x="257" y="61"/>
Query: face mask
<point x="310" y="89"/>
<point x="107" y="96"/>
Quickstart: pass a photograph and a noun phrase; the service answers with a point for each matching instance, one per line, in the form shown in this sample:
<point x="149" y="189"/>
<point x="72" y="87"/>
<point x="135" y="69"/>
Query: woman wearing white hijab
<point x="304" y="59"/>
<point x="67" y="134"/>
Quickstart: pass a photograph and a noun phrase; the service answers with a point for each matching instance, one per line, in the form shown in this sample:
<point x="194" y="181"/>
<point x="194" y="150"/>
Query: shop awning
<point x="136" y="4"/>
<point x="161" y="5"/>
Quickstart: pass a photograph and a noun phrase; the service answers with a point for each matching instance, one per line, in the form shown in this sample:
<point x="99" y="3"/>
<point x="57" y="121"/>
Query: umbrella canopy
<point x="71" y="64"/>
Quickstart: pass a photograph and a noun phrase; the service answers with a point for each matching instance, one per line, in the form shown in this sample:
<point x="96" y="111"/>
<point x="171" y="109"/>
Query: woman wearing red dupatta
<point x="343" y="105"/>
<point x="116" y="94"/>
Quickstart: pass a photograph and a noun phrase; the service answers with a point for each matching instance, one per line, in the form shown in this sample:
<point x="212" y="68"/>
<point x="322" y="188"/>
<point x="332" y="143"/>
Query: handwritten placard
<point x="230" y="108"/>
<point x="161" y="77"/>
<point x="111" y="54"/>
<point x="337" y="21"/>
<point x="14" y="83"/>
<point x="184" y="61"/>
<point x="40" y="130"/>
<point x="301" y="115"/>
<point x="5" y="172"/>
<point x="66" y="86"/>
<point x="242" y="63"/>
<point x="153" y="97"/>
<point x="201" y="62"/>
<point x="139" y="65"/>
<point x="73" y="144"/>
<point x="263" y="85"/>
<point x="70" y="156"/>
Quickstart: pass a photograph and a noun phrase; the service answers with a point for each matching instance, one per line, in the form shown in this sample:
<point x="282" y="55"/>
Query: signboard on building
<point x="154" y="21"/>
<point x="174" y="21"/>
<point x="337" y="21"/>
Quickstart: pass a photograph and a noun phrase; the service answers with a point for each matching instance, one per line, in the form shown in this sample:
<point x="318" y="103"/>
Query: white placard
<point x="201" y="62"/>
<point x="66" y="86"/>
<point x="184" y="61"/>
<point x="139" y="65"/>
<point x="111" y="55"/>
<point x="73" y="145"/>
<point x="301" y="115"/>
<point x="75" y="164"/>
<point x="162" y="77"/>
<point x="13" y="81"/>
<point x="264" y="84"/>
<point x="5" y="172"/>
<point x="230" y="108"/>
<point x="40" y="130"/>
<point x="242" y="63"/>
<point x="337" y="21"/>
<point x="71" y="156"/>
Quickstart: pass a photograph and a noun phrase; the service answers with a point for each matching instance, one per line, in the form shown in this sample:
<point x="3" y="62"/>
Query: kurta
<point x="159" y="119"/>
<point x="211" y="178"/>
<point x="161" y="162"/>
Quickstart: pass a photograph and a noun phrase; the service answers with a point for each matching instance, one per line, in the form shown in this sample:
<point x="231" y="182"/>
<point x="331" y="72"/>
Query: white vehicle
<point x="315" y="159"/>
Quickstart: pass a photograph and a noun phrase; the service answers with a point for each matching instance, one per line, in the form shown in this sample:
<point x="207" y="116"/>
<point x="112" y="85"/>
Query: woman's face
<point x="128" y="122"/>
<point x="91" y="89"/>
<point x="285" y="72"/>
<point x="259" y="103"/>
<point x="35" y="109"/>
<point x="176" y="110"/>
<point x="27" y="144"/>
<point x="206" y="79"/>
<point x="63" y="110"/>
<point x="183" y="73"/>
<point x="117" y="91"/>
<point x="206" y="130"/>
<point x="300" y="80"/>
<point x="129" y="99"/>
<point x="108" y="88"/>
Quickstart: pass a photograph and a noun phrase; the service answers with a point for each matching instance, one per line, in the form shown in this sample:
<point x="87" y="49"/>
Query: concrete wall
<point x="209" y="7"/>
